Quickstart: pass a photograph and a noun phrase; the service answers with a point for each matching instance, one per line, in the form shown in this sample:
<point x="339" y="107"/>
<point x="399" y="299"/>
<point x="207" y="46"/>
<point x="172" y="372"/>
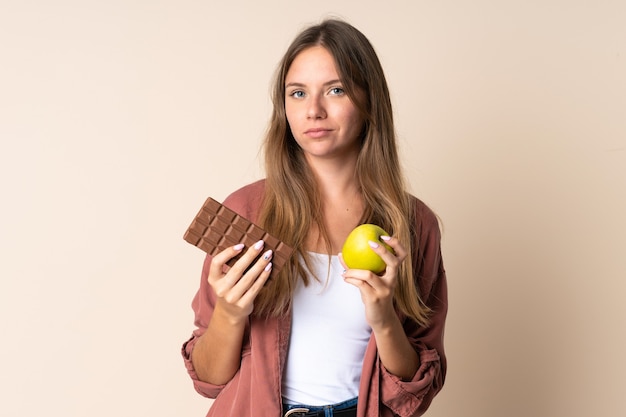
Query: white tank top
<point x="329" y="335"/>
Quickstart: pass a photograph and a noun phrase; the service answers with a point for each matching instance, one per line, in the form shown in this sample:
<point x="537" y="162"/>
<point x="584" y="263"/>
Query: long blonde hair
<point x="292" y="203"/>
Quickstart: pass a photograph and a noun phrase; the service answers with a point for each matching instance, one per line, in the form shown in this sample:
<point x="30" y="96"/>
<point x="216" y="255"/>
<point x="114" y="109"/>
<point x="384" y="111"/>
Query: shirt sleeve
<point x="412" y="398"/>
<point x="244" y="202"/>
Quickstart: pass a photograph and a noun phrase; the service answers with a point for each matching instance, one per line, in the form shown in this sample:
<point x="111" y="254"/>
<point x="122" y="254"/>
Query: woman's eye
<point x="336" y="90"/>
<point x="297" y="94"/>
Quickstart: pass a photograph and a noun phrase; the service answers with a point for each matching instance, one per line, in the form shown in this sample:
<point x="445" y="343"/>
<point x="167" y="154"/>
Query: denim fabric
<point x="328" y="409"/>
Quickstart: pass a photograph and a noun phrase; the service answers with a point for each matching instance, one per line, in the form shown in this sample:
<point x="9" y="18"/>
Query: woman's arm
<point x="216" y="355"/>
<point x="394" y="394"/>
<point x="396" y="353"/>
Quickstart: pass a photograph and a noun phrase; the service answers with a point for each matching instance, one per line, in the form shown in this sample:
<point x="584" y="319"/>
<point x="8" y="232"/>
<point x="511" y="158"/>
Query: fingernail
<point x="373" y="245"/>
<point x="268" y="266"/>
<point x="386" y="238"/>
<point x="238" y="246"/>
<point x="267" y="255"/>
<point x="258" y="245"/>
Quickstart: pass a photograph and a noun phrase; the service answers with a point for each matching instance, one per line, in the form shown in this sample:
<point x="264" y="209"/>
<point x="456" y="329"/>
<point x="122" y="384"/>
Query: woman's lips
<point x="317" y="132"/>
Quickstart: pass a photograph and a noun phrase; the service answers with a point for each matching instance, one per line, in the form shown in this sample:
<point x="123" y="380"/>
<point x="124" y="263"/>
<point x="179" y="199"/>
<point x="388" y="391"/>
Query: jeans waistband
<point x="343" y="409"/>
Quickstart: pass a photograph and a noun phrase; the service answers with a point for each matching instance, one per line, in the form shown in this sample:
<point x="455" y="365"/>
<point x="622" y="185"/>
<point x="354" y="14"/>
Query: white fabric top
<point x="329" y="335"/>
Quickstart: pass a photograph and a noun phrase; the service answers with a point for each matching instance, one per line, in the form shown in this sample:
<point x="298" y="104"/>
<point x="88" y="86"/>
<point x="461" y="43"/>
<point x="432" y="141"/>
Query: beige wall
<point x="118" y="118"/>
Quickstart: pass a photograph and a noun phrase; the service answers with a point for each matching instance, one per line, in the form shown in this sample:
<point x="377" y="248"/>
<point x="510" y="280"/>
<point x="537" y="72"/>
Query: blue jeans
<point x="328" y="409"/>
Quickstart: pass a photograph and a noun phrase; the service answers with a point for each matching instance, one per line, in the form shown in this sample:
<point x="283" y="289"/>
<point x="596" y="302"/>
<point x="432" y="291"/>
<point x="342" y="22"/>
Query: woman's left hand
<point x="377" y="290"/>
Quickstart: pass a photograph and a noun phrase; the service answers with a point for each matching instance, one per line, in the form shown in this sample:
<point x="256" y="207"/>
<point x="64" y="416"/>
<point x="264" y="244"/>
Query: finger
<point x="359" y="277"/>
<point x="389" y="258"/>
<point x="369" y="282"/>
<point x="359" y="283"/>
<point x="250" y="295"/>
<point x="239" y="268"/>
<point x="398" y="249"/>
<point x="219" y="260"/>
<point x="252" y="275"/>
<point x="343" y="263"/>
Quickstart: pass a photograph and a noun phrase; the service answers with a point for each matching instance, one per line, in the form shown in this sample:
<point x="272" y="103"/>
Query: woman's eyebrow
<point x="327" y="83"/>
<point x="294" y="85"/>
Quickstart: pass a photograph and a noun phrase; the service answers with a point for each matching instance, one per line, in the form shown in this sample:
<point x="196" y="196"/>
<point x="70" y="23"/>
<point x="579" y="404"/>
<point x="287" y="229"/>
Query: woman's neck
<point x="342" y="204"/>
<point x="335" y="178"/>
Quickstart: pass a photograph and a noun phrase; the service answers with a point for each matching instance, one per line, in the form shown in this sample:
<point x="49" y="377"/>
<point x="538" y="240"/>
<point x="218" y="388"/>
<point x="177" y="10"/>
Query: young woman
<point x="320" y="339"/>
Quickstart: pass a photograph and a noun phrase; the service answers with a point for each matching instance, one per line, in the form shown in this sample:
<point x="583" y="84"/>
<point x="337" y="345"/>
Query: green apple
<point x="358" y="254"/>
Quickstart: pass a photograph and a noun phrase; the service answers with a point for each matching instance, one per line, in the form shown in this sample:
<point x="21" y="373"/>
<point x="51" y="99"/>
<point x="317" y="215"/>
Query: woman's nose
<point x="316" y="109"/>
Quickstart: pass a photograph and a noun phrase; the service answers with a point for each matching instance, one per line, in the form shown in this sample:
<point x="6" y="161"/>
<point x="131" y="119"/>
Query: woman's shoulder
<point x="425" y="218"/>
<point x="246" y="201"/>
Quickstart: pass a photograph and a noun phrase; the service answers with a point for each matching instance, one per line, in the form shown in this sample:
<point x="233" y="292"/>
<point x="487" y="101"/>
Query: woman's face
<point x="323" y="119"/>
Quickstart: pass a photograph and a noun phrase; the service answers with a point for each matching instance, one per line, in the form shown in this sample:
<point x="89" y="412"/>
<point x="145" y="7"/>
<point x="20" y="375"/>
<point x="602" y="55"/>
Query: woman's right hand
<point x="237" y="289"/>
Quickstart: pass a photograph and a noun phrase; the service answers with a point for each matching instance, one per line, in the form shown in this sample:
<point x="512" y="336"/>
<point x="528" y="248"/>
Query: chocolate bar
<point x="216" y="227"/>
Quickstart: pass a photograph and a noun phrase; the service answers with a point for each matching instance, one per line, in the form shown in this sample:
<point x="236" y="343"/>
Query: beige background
<point x="118" y="118"/>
